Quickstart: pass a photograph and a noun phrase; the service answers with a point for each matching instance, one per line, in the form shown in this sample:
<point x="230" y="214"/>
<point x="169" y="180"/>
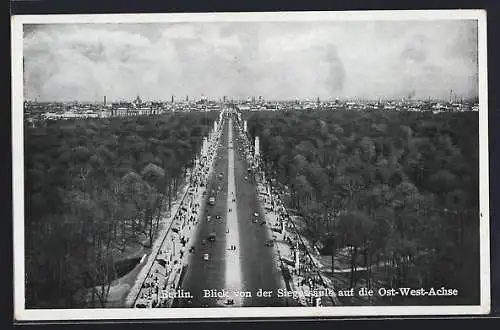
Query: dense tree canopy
<point x="94" y="187"/>
<point x="400" y="188"/>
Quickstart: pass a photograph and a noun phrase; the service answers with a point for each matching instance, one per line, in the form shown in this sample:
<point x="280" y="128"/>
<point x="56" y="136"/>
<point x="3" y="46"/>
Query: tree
<point x="442" y="182"/>
<point x="155" y="178"/>
<point x="355" y="227"/>
<point x="302" y="192"/>
<point x="349" y="185"/>
<point x="455" y="201"/>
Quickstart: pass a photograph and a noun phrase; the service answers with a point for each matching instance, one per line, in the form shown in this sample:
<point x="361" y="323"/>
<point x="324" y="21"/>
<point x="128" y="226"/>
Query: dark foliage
<point x="93" y="188"/>
<point x="398" y="190"/>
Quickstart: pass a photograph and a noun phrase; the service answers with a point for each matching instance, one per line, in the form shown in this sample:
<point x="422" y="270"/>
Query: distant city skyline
<point x="258" y="99"/>
<point x="275" y="60"/>
<point x="229" y="100"/>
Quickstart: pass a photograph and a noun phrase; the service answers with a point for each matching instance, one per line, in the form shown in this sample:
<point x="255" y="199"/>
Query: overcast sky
<point x="282" y="60"/>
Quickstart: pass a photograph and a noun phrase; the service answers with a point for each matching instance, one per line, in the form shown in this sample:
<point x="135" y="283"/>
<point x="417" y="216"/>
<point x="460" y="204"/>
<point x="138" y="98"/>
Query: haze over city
<point x="278" y="60"/>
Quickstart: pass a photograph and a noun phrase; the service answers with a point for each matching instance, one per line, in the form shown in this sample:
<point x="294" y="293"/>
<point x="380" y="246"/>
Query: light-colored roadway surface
<point x="252" y="266"/>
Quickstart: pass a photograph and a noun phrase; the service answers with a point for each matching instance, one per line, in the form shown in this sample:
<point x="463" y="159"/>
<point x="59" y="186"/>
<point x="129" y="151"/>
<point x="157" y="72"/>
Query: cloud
<point x="275" y="60"/>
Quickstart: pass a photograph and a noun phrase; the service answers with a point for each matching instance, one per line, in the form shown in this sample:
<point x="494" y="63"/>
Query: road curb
<point x="178" y="263"/>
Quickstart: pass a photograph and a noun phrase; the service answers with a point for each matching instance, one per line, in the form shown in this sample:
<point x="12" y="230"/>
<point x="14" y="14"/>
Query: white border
<point x="22" y="314"/>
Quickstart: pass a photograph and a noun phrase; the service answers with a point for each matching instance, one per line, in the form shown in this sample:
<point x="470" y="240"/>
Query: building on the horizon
<point x="135" y="108"/>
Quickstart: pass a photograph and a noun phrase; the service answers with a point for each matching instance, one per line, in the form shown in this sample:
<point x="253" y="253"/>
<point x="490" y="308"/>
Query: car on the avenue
<point x="206" y="256"/>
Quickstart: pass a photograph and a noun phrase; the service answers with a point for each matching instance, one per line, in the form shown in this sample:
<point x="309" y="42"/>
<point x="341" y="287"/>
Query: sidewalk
<point x="341" y="275"/>
<point x="291" y="279"/>
<point x="299" y="280"/>
<point x="284" y="253"/>
<point x="167" y="224"/>
<point x="165" y="265"/>
<point x="310" y="272"/>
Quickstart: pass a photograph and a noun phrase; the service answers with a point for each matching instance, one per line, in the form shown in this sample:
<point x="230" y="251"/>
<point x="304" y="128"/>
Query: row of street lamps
<point x="280" y="210"/>
<point x="184" y="213"/>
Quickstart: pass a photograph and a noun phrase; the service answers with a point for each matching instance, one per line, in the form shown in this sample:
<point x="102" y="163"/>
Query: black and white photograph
<point x="250" y="165"/>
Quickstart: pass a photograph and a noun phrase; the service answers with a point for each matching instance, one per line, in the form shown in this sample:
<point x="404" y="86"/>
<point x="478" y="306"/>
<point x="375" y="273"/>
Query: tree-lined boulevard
<point x="233" y="219"/>
<point x="184" y="210"/>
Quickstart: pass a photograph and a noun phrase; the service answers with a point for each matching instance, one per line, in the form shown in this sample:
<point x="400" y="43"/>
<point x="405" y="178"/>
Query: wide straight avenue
<point x="231" y="260"/>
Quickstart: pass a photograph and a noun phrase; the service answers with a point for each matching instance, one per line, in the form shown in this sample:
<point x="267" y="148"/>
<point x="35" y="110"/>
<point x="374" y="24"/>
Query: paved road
<point x="252" y="266"/>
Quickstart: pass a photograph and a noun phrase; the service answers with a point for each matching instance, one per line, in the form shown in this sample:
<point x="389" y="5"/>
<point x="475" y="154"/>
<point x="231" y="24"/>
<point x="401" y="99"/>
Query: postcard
<point x="250" y="165"/>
